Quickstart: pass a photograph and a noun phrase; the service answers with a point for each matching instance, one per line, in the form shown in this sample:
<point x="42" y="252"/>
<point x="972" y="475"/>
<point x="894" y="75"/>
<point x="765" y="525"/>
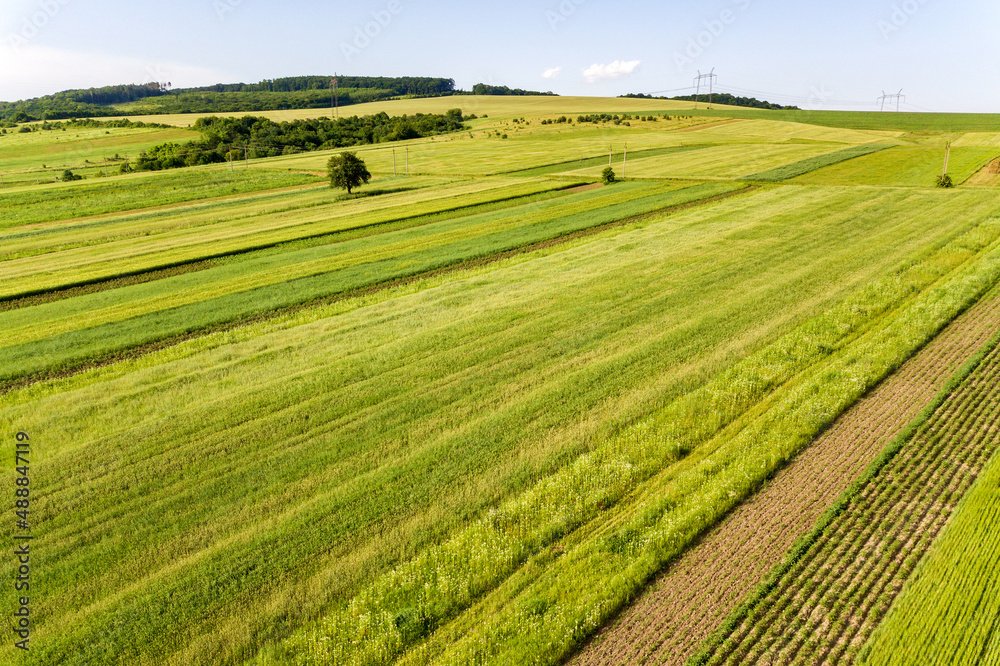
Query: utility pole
<point x="334" y="97"/>
<point x="611" y="154"/>
<point x="947" y="155"/>
<point x="710" y="77"/>
<point x="105" y="167"/>
<point x="898" y="97"/>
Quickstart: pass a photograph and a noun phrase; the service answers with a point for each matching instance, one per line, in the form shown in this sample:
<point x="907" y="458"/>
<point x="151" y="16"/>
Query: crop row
<point x="136" y="192"/>
<point x="825" y="602"/>
<point x="948" y="614"/>
<point x="695" y="594"/>
<point x="698" y="463"/>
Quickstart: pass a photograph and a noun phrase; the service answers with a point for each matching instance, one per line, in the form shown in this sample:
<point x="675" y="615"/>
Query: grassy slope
<point x="44" y="155"/>
<point x="508" y="107"/>
<point x="904" y="165"/>
<point x="520" y="367"/>
<point x="390" y="391"/>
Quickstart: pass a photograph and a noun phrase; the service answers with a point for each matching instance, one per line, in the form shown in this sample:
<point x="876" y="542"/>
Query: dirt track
<point x="693" y="596"/>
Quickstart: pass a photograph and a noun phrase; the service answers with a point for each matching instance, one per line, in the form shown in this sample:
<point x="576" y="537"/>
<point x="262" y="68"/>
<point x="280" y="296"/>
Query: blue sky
<point x="836" y="54"/>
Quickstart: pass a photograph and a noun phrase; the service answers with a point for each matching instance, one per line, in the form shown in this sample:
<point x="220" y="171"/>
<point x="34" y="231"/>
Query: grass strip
<point x="564" y="605"/>
<point x="813" y="163"/>
<point x="65" y="351"/>
<point x="849" y="496"/>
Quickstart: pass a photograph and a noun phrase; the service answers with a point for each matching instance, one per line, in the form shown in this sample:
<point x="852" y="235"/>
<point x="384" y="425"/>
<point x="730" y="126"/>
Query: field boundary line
<point x="5" y="300"/>
<point x="90" y="364"/>
<point x="848" y="497"/>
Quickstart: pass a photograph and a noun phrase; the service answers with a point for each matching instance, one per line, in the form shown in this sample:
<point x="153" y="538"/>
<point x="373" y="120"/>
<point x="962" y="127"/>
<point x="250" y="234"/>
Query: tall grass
<point x="200" y="507"/>
<point x="96" y="325"/>
<point x="553" y="608"/>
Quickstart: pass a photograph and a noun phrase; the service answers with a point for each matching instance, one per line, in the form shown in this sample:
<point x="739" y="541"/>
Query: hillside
<point x="303" y="92"/>
<point x="476" y="411"/>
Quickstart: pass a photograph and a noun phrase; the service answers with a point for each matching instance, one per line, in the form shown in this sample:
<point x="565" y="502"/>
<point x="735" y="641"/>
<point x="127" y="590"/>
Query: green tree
<point x="68" y="175"/>
<point x="945" y="181"/>
<point x="608" y="175"/>
<point x="347" y="171"/>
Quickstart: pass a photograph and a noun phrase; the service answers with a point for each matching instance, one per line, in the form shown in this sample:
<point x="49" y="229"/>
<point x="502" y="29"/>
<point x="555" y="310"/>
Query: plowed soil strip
<point x="695" y="594"/>
<point x="825" y="607"/>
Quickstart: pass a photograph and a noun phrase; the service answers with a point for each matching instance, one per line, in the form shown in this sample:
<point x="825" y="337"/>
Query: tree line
<point x="299" y="92"/>
<point x="483" y="89"/>
<point x="720" y="98"/>
<point x="224" y="139"/>
<point x="303" y="92"/>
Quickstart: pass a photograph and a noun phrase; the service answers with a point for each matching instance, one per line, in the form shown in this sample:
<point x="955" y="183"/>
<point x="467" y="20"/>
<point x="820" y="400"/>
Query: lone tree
<point x="347" y="171"/>
<point x="608" y="175"/>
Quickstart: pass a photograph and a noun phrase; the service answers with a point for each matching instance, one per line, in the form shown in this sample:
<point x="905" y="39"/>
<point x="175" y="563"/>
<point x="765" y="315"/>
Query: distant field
<point x="496" y="106"/>
<point x="903" y="165"/>
<point x="717" y="162"/>
<point x="511" y="106"/>
<point x="469" y="413"/>
<point x="25" y="158"/>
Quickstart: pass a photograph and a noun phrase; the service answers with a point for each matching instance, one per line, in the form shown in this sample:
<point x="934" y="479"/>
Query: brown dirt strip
<point x="689" y="600"/>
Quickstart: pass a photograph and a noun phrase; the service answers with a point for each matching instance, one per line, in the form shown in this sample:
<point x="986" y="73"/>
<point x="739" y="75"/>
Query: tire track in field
<point x="697" y="592"/>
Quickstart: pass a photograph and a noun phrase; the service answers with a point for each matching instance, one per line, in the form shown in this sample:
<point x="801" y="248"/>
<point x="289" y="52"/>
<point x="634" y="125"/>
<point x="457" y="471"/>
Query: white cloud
<point x="551" y="73"/>
<point x="614" y="70"/>
<point x="33" y="71"/>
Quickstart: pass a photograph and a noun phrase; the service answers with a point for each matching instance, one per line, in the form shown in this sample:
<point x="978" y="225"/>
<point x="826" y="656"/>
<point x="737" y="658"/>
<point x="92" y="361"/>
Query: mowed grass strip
<point x="73" y="200"/>
<point x="197" y="509"/>
<point x="903" y="165"/>
<point x="183" y="239"/>
<point x="811" y="164"/>
<point x="713" y="162"/>
<point x="88" y="327"/>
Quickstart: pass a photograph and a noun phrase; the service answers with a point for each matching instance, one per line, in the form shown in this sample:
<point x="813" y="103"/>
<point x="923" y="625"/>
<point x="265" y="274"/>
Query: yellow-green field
<point x="467" y="414"/>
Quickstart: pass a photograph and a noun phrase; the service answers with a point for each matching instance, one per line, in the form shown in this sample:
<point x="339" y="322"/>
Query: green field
<point x="467" y="415"/>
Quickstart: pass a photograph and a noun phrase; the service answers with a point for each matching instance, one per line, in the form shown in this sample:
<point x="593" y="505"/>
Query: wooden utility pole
<point x="105" y="167"/>
<point x="611" y="154"/>
<point x="947" y="156"/>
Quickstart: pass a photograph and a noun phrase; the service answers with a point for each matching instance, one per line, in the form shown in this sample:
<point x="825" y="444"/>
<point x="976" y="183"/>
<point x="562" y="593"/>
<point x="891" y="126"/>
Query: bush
<point x="608" y="175"/>
<point x="945" y="181"/>
<point x="68" y="176"/>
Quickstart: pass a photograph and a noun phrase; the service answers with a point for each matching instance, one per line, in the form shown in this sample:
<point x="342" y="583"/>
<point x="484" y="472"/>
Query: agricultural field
<point x="489" y="409"/>
<point x="41" y="156"/>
